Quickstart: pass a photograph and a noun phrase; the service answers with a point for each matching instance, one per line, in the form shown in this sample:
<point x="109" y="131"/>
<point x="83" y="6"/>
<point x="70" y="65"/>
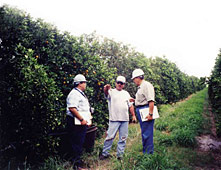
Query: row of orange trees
<point x="215" y="92"/>
<point x="37" y="66"/>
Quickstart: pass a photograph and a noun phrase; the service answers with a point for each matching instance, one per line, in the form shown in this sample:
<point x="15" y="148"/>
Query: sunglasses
<point x="121" y="83"/>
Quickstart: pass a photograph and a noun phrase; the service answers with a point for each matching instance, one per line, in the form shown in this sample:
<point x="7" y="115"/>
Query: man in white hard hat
<point x="145" y="97"/>
<point x="77" y="103"/>
<point x="119" y="106"/>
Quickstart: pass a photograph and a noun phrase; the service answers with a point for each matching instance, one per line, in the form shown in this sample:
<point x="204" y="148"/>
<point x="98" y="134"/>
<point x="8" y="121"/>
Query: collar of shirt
<point x="141" y="84"/>
<point x="79" y="90"/>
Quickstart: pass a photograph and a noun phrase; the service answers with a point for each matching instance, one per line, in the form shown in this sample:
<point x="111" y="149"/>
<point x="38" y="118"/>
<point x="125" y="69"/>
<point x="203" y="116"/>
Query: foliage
<point x="52" y="164"/>
<point x="171" y="85"/>
<point x="28" y="121"/>
<point x="215" y="92"/>
<point x="37" y="66"/>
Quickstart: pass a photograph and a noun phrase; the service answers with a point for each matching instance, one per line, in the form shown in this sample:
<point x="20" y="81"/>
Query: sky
<point x="187" y="32"/>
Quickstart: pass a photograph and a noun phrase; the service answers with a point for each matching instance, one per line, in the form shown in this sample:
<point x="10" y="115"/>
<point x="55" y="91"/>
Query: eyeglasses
<point x="82" y="82"/>
<point x="121" y="83"/>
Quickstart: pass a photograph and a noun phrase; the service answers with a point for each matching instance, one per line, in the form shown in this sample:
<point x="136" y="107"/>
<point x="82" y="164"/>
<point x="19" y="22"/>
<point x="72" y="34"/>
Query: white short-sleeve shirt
<point x="76" y="99"/>
<point x="118" y="105"/>
<point x="145" y="93"/>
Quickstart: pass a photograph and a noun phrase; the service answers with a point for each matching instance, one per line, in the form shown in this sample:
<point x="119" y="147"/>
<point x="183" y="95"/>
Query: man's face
<point x="119" y="85"/>
<point x="136" y="80"/>
<point x="83" y="85"/>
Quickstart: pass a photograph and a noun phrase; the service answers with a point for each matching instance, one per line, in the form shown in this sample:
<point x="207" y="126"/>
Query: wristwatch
<point x="150" y="114"/>
<point x="81" y="120"/>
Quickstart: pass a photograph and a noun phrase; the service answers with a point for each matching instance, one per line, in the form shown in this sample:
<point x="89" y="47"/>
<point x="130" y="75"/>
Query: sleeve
<point x="129" y="97"/>
<point x="73" y="100"/>
<point x="109" y="94"/>
<point x="149" y="92"/>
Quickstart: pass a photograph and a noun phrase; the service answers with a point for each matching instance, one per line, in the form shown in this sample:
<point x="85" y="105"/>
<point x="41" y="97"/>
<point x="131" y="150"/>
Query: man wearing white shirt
<point x="118" y="105"/>
<point x="77" y="103"/>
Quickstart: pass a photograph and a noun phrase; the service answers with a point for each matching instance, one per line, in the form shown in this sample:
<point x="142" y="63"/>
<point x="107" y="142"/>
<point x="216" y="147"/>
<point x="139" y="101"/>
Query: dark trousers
<point x="77" y="135"/>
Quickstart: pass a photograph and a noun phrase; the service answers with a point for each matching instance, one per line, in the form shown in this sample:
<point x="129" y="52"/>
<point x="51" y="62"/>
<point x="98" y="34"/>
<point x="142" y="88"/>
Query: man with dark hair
<point x="77" y="105"/>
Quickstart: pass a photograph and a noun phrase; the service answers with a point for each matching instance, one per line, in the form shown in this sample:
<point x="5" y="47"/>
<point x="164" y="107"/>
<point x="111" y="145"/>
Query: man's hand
<point x="84" y="122"/>
<point x="149" y="117"/>
<point x="106" y="88"/>
<point x="132" y="100"/>
<point x="134" y="119"/>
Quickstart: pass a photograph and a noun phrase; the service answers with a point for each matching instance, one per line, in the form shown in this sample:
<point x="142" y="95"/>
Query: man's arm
<point x="151" y="106"/>
<point x="106" y="88"/>
<point x="134" y="119"/>
<point x="77" y="115"/>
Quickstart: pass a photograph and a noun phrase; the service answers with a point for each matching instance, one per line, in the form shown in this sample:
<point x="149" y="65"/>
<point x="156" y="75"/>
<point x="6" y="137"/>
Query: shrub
<point x="37" y="69"/>
<point x="215" y="92"/>
<point x="32" y="108"/>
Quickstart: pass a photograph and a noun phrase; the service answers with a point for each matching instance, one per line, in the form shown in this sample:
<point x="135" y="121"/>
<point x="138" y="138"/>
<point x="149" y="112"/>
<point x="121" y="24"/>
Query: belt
<point x="142" y="105"/>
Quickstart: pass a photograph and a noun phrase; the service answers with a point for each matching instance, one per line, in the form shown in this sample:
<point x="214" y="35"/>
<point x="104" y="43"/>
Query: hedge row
<point x="37" y="66"/>
<point x="170" y="83"/>
<point x="215" y="92"/>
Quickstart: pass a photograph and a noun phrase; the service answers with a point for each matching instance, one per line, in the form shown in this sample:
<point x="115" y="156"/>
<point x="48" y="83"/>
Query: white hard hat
<point x="121" y="79"/>
<point x="79" y="78"/>
<point x="136" y="73"/>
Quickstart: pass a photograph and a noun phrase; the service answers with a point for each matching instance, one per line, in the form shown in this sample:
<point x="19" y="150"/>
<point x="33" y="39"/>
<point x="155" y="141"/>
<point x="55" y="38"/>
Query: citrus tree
<point x="215" y="92"/>
<point x="37" y="66"/>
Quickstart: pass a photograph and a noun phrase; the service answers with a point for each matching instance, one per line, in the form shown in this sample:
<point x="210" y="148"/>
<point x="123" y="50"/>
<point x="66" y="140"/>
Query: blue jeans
<point x="114" y="126"/>
<point x="146" y="132"/>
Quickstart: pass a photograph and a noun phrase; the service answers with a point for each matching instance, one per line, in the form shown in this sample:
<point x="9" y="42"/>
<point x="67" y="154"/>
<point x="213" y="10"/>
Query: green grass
<point x="53" y="164"/>
<point x="183" y="121"/>
<point x="174" y="140"/>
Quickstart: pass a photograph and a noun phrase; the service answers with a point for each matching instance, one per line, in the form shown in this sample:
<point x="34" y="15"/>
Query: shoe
<point x="119" y="158"/>
<point x="79" y="168"/>
<point x="102" y="157"/>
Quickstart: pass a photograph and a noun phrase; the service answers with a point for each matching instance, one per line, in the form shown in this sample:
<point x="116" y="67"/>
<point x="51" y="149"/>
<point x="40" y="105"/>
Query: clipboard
<point x="86" y="116"/>
<point x="145" y="111"/>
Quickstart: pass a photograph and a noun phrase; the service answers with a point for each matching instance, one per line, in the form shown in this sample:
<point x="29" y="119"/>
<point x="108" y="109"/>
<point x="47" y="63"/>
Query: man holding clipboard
<point x="144" y="102"/>
<point x="78" y="118"/>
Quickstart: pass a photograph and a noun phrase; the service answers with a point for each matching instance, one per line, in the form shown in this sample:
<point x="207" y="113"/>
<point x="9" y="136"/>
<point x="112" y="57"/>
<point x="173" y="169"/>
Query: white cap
<point x="121" y="79"/>
<point x="79" y="78"/>
<point x="136" y="73"/>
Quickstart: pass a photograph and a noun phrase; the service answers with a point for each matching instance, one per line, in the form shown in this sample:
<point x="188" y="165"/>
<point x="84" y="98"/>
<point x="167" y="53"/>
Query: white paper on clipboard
<point x="86" y="116"/>
<point x="145" y="111"/>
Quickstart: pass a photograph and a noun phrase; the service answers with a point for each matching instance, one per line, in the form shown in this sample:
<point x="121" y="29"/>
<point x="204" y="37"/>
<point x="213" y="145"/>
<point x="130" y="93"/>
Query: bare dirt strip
<point x="210" y="144"/>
